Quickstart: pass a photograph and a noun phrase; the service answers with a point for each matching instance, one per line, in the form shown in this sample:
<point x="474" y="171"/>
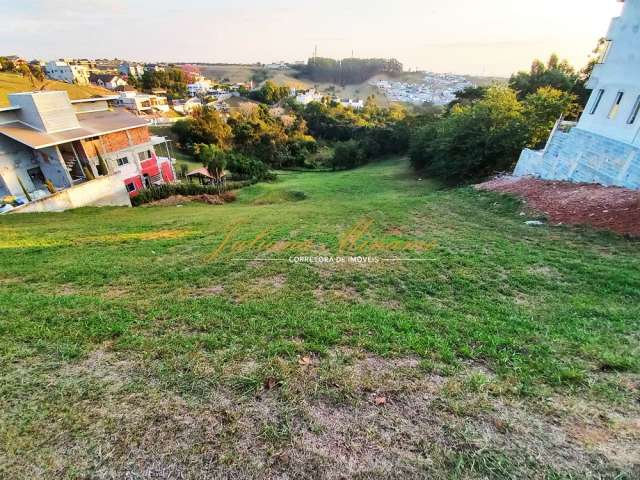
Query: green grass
<point x="14" y="83"/>
<point x="548" y="310"/>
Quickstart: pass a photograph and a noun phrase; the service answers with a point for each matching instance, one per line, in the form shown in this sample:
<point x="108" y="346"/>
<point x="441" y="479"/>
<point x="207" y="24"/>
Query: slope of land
<point x="607" y="208"/>
<point x="13" y="83"/>
<point x="149" y="343"/>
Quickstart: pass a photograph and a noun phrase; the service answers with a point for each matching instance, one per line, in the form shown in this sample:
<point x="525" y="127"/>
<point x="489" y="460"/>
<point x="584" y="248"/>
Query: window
<point x="596" y="104"/>
<point x="131" y="187"/>
<point x="613" y="113"/>
<point x="634" y="112"/>
<point x="122" y="161"/>
<point x="146" y="155"/>
<point x="604" y="51"/>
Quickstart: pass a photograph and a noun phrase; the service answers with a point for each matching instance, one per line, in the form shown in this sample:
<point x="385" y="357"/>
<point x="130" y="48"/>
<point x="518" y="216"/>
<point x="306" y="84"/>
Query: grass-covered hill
<point x="181" y="342"/>
<point x="13" y="83"/>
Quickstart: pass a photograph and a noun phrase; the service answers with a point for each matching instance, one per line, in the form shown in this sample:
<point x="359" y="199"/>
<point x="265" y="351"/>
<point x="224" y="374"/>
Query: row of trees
<point x="173" y="80"/>
<point x="349" y="70"/>
<point x="31" y="71"/>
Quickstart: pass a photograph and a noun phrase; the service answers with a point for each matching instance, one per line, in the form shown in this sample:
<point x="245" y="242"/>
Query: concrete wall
<point x="103" y="191"/>
<point x="53" y="167"/>
<point x="16" y="159"/>
<point x="46" y="111"/>
<point x="582" y="156"/>
<point x="619" y="72"/>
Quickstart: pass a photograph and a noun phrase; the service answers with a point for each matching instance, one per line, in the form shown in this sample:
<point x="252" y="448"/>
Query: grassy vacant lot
<point x="129" y="349"/>
<point x="13" y="83"/>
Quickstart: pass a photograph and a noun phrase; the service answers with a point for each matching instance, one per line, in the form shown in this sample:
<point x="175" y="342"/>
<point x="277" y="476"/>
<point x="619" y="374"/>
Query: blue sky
<point x="493" y="37"/>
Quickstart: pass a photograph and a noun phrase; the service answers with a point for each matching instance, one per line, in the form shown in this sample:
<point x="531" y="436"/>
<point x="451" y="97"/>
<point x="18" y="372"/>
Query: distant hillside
<point x="13" y="83"/>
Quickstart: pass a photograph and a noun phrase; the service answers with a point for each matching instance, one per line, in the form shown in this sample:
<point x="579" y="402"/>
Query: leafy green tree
<point x="473" y="141"/>
<point x="246" y="167"/>
<point x="349" y="154"/>
<point x="36" y="72"/>
<point x="7" y="65"/>
<point x="206" y="125"/>
<point x="542" y="109"/>
<point x="270" y="93"/>
<point x="213" y="158"/>
<point x="556" y="73"/>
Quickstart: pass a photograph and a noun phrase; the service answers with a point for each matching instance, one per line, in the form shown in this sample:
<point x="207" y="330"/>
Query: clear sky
<point x="492" y="37"/>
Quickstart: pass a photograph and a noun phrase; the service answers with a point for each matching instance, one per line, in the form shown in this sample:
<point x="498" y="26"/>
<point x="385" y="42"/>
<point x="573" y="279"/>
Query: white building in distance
<point x="64" y="72"/>
<point x="604" y="146"/>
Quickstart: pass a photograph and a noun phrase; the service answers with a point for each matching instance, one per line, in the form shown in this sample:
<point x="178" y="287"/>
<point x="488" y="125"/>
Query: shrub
<point x="349" y="154"/>
<point x="245" y="167"/>
<point x="159" y="192"/>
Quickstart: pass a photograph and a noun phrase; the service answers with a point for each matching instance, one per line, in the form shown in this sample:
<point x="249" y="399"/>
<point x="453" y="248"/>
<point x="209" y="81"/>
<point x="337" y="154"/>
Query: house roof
<point x="91" y="124"/>
<point x="105" y="77"/>
<point x="202" y="171"/>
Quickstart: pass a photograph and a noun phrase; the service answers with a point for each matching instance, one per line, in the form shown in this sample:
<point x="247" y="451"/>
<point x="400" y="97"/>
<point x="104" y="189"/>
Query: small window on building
<point x="122" y="161"/>
<point x="634" y="112"/>
<point x="131" y="187"/>
<point x="596" y="103"/>
<point x="146" y="155"/>
<point x="613" y="113"/>
<point x="604" y="51"/>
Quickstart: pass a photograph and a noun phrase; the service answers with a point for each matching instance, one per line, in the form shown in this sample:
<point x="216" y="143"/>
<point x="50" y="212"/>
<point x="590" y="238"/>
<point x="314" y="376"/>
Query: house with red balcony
<point x="57" y="153"/>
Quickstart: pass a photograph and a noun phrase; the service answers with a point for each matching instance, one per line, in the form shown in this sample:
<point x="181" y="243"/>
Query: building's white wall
<point x="102" y="191"/>
<point x="620" y="72"/>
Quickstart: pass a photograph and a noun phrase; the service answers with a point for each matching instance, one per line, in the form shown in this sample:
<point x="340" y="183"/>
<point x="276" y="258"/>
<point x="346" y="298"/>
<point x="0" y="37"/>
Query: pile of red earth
<point x="607" y="208"/>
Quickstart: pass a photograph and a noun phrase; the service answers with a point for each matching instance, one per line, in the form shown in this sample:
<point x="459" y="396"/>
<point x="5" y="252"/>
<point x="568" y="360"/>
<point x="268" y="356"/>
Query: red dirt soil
<point x="605" y="208"/>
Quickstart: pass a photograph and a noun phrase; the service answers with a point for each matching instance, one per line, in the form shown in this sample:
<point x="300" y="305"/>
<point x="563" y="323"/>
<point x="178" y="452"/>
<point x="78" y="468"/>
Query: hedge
<point x="159" y="192"/>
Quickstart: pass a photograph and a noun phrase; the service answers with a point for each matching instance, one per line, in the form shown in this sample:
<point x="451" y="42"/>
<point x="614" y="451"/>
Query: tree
<point x="25" y="71"/>
<point x="214" y="160"/>
<point x="36" y="71"/>
<point x="205" y="126"/>
<point x="473" y="141"/>
<point x="246" y="167"/>
<point x="7" y="65"/>
<point x="270" y="93"/>
<point x="557" y="74"/>
<point x="347" y="155"/>
<point x="542" y="109"/>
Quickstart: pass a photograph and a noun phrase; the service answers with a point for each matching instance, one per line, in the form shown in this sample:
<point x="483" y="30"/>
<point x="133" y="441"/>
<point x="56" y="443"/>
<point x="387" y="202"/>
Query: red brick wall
<point x="120" y="140"/>
<point x="115" y="141"/>
<point x="139" y="135"/>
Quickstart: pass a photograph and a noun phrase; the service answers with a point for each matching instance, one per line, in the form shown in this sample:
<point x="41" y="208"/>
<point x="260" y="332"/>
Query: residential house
<point x="63" y="71"/>
<point x="604" y="145"/>
<point x="188" y="106"/>
<point x="89" y="153"/>
<point x="142" y="103"/>
<point x="107" y="80"/>
<point x="351" y="103"/>
<point x="306" y="97"/>
<point x="201" y="86"/>
<point x="154" y="67"/>
<point x="133" y="69"/>
<point x="16" y="60"/>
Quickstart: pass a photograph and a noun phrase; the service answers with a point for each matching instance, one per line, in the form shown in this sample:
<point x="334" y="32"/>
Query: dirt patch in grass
<point x="174" y="200"/>
<point x="213" y="290"/>
<point x="348" y="414"/>
<point x="345" y="294"/>
<point x="606" y="208"/>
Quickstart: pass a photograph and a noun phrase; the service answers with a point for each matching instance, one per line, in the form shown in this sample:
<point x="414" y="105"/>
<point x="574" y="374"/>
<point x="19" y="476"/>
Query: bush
<point x="349" y="154"/>
<point x="245" y="167"/>
<point x="159" y="192"/>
